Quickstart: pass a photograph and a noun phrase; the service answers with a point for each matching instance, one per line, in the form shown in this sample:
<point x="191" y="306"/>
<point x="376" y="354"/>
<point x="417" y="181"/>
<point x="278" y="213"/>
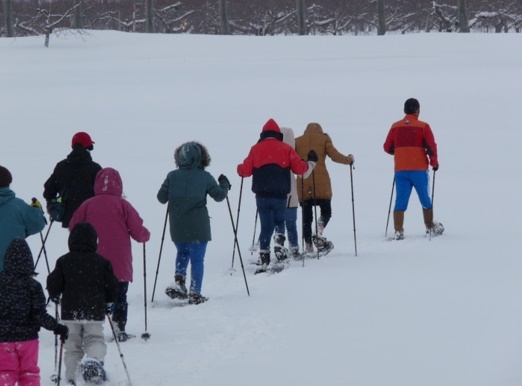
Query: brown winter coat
<point x="314" y="138"/>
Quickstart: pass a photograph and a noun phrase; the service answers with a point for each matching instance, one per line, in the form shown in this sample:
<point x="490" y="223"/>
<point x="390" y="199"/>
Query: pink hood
<point x="108" y="181"/>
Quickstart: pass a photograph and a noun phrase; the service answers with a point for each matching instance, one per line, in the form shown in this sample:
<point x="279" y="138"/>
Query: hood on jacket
<point x="108" y="181"/>
<point x="19" y="259"/>
<point x="288" y="136"/>
<point x="83" y="238"/>
<point x="192" y="155"/>
<point x="6" y="194"/>
<point x="271" y="130"/>
<point x="314" y="128"/>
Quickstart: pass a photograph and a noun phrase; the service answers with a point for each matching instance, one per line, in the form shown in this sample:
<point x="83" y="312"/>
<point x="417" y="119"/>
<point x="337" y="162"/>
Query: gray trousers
<point x="85" y="339"/>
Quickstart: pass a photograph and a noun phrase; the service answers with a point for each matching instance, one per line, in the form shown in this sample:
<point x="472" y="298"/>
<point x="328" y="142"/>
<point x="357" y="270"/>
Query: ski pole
<point x="56" y="316"/>
<point x="160" y="251"/>
<point x="254" y="236"/>
<point x="353" y="210"/>
<point x="145" y="336"/>
<point x="60" y="364"/>
<point x="432" y="195"/>
<point x="315" y="210"/>
<point x="42" y="249"/>
<point x="237" y="221"/>
<point x="236" y="243"/>
<point x="389" y="207"/>
<point x="302" y="221"/>
<point x="119" y="348"/>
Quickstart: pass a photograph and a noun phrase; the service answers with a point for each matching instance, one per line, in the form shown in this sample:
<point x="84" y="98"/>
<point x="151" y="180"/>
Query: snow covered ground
<point x="410" y="313"/>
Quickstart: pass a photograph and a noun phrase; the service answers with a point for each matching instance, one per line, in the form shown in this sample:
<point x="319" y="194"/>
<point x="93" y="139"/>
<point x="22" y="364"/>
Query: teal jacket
<point x="186" y="189"/>
<point x="17" y="220"/>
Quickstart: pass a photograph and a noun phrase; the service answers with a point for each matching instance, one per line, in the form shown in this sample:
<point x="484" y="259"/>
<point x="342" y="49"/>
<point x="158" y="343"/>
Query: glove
<point x="351" y="159"/>
<point x="110" y="308"/>
<point x="435" y="168"/>
<point x="312" y="156"/>
<point x="223" y="179"/>
<point x="35" y="203"/>
<point x="63" y="331"/>
<point x="55" y="299"/>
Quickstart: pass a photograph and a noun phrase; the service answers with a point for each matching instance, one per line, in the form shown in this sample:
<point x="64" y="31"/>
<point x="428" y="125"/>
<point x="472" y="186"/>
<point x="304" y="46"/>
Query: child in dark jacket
<point x="22" y="313"/>
<point x="88" y="286"/>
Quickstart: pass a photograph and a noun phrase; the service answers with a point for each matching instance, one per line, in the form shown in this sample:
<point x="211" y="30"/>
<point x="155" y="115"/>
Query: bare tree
<point x="462" y="17"/>
<point x="301" y="17"/>
<point x="223" y="17"/>
<point x="8" y="18"/>
<point x="381" y="18"/>
<point x="149" y="16"/>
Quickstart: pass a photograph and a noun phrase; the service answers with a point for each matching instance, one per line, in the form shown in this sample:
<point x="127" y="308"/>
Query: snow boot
<point x="436" y="228"/>
<point x="178" y="290"/>
<point x="320" y="226"/>
<point x="281" y="253"/>
<point x="398" y="222"/>
<point x="265" y="261"/>
<point x="323" y="245"/>
<point x="294" y="252"/>
<point x="92" y="371"/>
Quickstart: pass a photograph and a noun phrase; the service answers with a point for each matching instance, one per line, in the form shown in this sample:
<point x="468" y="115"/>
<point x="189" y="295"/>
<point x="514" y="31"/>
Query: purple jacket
<point x="115" y="221"/>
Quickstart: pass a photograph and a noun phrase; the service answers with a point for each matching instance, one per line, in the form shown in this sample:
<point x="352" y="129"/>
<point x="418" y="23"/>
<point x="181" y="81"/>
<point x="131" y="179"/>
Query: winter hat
<point x="271" y="130"/>
<point x="83" y="139"/>
<point x="83" y="238"/>
<point x="411" y="106"/>
<point x="5" y="177"/>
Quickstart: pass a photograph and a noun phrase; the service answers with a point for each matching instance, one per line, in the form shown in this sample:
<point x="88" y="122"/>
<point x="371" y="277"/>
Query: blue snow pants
<point x="272" y="212"/>
<point x="405" y="181"/>
<point x="195" y="254"/>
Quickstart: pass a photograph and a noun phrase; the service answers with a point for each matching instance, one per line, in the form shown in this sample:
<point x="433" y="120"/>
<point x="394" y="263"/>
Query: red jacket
<point x="115" y="221"/>
<point x="411" y="142"/>
<point x="270" y="162"/>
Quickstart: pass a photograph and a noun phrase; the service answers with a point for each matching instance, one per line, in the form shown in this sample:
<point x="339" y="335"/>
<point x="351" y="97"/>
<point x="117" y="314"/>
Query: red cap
<point x="83" y="139"/>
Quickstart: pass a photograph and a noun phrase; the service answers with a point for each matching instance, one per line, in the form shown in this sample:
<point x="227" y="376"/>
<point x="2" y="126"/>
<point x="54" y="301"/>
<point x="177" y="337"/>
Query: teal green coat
<point x="17" y="220"/>
<point x="186" y="189"/>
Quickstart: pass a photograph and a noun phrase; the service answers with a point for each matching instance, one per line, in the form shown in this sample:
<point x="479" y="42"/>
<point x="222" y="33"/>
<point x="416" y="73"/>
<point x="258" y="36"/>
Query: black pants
<point x="121" y="306"/>
<point x="325" y="207"/>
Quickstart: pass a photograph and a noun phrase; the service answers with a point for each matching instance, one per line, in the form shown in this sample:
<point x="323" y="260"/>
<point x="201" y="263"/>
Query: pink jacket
<point x="115" y="221"/>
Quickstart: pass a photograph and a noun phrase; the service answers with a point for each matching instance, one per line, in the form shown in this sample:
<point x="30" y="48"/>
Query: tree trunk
<point x="462" y="16"/>
<point x="381" y="19"/>
<point x="301" y="17"/>
<point x="223" y="17"/>
<point x="78" y="16"/>
<point x="8" y="13"/>
<point x="149" y="22"/>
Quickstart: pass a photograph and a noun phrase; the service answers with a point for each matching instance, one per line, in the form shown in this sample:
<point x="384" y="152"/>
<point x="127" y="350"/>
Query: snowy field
<point x="445" y="312"/>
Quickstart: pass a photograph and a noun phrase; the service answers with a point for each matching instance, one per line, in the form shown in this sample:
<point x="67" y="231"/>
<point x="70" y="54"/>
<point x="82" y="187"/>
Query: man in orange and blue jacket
<point x="412" y="144"/>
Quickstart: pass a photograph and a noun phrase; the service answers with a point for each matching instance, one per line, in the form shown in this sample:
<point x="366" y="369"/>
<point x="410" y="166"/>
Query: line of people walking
<point x="92" y="279"/>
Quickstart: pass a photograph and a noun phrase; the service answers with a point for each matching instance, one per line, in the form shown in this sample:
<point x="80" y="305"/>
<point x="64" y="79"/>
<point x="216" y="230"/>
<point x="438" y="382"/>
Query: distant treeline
<point x="261" y="17"/>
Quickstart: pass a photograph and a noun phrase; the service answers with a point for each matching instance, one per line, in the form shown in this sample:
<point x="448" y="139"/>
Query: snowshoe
<point x="196" y="299"/>
<point x="178" y="290"/>
<point x="437" y="230"/>
<point x="294" y="253"/>
<point x="273" y="268"/>
<point x="92" y="371"/>
<point x="323" y="245"/>
<point x="175" y="293"/>
<point x="399" y="235"/>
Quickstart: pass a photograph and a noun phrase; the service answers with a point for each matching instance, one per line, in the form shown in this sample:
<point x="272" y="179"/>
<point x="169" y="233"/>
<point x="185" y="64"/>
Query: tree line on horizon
<point x="261" y="17"/>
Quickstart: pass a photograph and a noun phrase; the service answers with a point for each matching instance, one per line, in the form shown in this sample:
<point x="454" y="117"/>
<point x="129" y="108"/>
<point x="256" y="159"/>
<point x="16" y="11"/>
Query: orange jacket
<point x="411" y="142"/>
